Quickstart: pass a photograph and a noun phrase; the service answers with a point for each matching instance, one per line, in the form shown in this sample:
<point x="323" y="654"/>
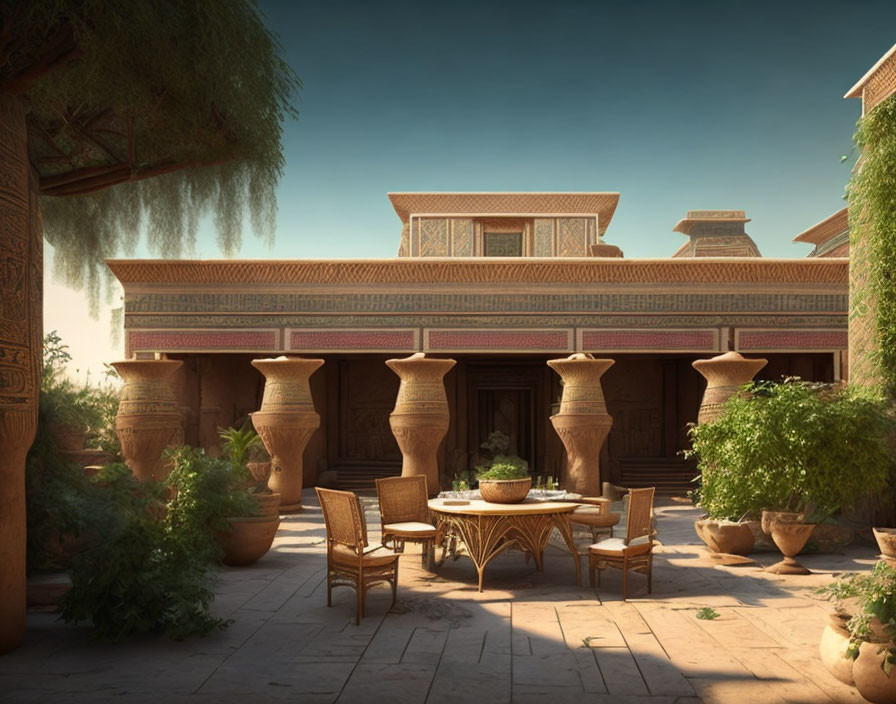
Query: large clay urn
<point x="873" y="683"/>
<point x="285" y="422"/>
<point x="420" y="418"/>
<point x="148" y="417"/>
<point x="724" y="374"/>
<point x="582" y="421"/>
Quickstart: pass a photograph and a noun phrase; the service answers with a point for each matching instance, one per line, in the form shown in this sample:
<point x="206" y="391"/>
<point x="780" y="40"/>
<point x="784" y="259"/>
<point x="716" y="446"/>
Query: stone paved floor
<point x="521" y="640"/>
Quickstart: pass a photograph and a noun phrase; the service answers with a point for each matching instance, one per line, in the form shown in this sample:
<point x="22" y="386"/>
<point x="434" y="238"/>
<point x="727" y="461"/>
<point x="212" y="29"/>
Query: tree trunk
<point x="21" y="337"/>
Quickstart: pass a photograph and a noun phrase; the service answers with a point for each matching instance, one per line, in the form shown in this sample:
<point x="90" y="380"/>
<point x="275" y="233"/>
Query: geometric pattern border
<point x="353" y="340"/>
<point x="498" y="340"/>
<point x="818" y="340"/>
<point x="649" y="340"/>
<point x="224" y="340"/>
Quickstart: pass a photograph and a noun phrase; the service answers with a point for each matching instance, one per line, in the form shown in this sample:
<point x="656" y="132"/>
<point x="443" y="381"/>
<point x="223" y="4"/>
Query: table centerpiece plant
<point x="505" y="480"/>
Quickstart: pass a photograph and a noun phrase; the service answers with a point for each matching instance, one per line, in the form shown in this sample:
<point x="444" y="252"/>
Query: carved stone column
<point x="724" y="374"/>
<point x="21" y="338"/>
<point x="421" y="417"/>
<point x="148" y="418"/>
<point x="285" y="422"/>
<point x="582" y="422"/>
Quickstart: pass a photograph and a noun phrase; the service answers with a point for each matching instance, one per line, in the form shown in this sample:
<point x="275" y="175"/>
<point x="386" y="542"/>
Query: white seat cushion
<point x="618" y="544"/>
<point x="408" y="527"/>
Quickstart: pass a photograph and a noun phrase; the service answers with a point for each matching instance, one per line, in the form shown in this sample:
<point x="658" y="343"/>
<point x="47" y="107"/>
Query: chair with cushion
<point x="596" y="515"/>
<point x="635" y="551"/>
<point x="351" y="561"/>
<point x="405" y="514"/>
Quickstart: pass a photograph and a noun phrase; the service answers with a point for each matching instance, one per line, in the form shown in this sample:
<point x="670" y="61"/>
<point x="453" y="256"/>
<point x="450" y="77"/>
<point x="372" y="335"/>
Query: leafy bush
<point x="793" y="446"/>
<point x="61" y="402"/>
<point x="504" y="467"/>
<point x="61" y="505"/>
<point x="141" y="576"/>
<point x="207" y="491"/>
<point x="152" y="570"/>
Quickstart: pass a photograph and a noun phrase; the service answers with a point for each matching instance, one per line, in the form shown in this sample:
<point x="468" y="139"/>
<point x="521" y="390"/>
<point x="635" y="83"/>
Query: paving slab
<point x="530" y="636"/>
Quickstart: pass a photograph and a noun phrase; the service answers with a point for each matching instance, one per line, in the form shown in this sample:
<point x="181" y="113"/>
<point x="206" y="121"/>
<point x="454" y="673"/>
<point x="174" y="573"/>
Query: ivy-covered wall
<point x="872" y="214"/>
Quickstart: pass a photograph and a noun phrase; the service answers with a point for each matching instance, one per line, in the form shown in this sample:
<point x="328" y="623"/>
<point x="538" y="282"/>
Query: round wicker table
<point x="487" y="529"/>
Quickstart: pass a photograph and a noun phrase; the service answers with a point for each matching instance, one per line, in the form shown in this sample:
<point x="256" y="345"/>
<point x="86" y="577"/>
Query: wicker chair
<point x="405" y="515"/>
<point x="351" y="562"/>
<point x="635" y="551"/>
<point x="596" y="516"/>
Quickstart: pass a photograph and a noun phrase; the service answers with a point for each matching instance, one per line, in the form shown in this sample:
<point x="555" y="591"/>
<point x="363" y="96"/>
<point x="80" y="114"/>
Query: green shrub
<point x="793" y="446"/>
<point x="89" y="408"/>
<point x="152" y="568"/>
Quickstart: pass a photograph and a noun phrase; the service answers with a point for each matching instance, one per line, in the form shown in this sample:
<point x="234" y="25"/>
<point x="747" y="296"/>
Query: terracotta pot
<point x="67" y="437"/>
<point x="248" y="539"/>
<point x="268" y="504"/>
<point x="582" y="422"/>
<point x="260" y="471"/>
<point x="285" y="422"/>
<point x="886" y="541"/>
<point x="790" y="539"/>
<point x="832" y="649"/>
<point x="724" y="375"/>
<point x="769" y="517"/>
<point x="148" y="418"/>
<point x="420" y="418"/>
<point x="869" y="676"/>
<point x="725" y="536"/>
<point x="505" y="491"/>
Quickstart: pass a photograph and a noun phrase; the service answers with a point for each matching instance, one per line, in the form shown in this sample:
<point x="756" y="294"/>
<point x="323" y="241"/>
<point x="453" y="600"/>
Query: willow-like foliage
<point x="197" y="83"/>
<point x="872" y="214"/>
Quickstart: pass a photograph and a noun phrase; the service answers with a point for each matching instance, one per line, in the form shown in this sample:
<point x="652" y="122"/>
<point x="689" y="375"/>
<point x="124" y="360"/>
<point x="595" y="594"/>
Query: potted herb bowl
<point x="866" y="606"/>
<point x="506" y="481"/>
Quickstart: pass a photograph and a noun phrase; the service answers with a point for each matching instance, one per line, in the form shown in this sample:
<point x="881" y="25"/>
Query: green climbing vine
<point x="872" y="213"/>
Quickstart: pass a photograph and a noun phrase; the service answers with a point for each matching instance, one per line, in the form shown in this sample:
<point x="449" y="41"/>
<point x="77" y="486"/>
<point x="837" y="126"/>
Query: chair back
<point x="640" y="506"/>
<point x="343" y="517"/>
<point x="403" y="499"/>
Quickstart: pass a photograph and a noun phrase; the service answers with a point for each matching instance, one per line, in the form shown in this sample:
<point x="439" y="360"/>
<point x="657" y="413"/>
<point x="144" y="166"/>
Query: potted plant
<point x="803" y="450"/>
<point x="505" y="480"/>
<point x="859" y="644"/>
<point x="250" y="535"/>
<point x="243" y="448"/>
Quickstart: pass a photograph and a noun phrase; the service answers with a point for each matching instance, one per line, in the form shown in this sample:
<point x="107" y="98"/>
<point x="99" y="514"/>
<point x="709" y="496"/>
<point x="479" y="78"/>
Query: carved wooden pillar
<point x="421" y="417"/>
<point x="21" y="337"/>
<point x="286" y="422"/>
<point x="148" y="418"/>
<point x="582" y="422"/>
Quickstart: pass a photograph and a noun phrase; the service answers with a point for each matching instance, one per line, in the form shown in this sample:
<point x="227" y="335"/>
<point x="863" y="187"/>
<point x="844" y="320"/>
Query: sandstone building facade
<point x="501" y="282"/>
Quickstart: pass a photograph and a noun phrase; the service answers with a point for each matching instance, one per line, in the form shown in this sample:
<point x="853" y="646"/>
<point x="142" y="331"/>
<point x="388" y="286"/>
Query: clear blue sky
<point x="676" y="105"/>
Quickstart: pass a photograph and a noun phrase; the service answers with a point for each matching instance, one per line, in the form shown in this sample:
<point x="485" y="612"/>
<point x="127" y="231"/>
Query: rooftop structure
<point x="502" y="224"/>
<point x="716" y="233"/>
<point x="830" y="236"/>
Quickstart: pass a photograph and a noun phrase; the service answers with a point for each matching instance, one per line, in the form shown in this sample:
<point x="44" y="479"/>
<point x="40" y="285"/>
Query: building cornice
<point x="431" y="270"/>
